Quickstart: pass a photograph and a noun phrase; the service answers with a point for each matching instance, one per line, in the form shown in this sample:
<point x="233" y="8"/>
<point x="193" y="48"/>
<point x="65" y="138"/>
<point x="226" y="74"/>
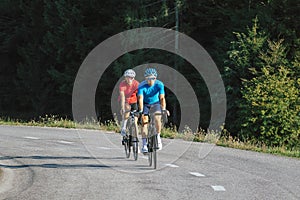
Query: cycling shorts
<point x="151" y="108"/>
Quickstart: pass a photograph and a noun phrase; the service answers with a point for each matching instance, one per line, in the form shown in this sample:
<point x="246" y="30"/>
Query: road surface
<point x="55" y="163"/>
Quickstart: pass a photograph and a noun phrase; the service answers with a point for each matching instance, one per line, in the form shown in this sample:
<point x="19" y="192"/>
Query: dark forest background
<point x="255" y="44"/>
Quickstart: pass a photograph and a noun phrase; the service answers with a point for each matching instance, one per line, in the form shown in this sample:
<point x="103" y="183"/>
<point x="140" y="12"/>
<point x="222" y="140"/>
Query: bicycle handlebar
<point x="133" y="112"/>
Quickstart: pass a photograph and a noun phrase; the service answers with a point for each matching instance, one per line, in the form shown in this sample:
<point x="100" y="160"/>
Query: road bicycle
<point x="130" y="140"/>
<point x="152" y="143"/>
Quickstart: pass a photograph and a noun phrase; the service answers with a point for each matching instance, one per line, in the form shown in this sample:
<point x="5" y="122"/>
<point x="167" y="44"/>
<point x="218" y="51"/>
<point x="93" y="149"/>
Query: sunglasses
<point x="151" y="78"/>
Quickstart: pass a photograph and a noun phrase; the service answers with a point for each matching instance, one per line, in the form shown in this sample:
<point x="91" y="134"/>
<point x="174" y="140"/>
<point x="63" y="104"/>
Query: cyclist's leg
<point x="145" y="128"/>
<point x="157" y="109"/>
<point x="125" y="117"/>
<point x="134" y="107"/>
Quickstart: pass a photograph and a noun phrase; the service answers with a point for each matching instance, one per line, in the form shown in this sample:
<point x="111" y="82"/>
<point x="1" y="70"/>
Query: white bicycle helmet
<point x="130" y="73"/>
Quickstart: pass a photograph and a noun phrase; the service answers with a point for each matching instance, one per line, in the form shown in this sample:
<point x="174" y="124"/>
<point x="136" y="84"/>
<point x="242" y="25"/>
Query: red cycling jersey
<point x="130" y="91"/>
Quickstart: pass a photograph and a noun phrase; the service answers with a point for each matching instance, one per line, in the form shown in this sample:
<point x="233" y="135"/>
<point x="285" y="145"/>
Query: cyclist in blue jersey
<point x="151" y="97"/>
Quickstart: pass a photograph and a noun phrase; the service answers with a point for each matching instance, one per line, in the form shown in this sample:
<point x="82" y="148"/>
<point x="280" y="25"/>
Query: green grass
<point x="201" y="136"/>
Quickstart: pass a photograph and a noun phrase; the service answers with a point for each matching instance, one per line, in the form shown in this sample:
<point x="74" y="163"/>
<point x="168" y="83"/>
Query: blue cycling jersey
<point x="151" y="93"/>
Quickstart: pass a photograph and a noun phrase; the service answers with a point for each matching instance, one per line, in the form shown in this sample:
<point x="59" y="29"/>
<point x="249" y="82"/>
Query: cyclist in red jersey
<point x="128" y="99"/>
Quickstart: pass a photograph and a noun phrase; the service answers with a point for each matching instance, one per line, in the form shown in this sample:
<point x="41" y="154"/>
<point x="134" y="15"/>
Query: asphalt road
<point x="54" y="163"/>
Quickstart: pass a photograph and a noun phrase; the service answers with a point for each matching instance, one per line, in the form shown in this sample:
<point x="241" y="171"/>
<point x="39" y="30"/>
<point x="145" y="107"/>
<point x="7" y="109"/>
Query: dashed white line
<point x="197" y="174"/>
<point x="32" y="138"/>
<point x="105" y="148"/>
<point x="108" y="148"/>
<point x="171" y="165"/>
<point x="65" y="142"/>
<point x="218" y="188"/>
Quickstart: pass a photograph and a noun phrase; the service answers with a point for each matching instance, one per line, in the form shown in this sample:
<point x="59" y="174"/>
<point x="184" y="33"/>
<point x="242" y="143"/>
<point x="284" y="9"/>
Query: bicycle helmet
<point x="150" y="72"/>
<point x="130" y="73"/>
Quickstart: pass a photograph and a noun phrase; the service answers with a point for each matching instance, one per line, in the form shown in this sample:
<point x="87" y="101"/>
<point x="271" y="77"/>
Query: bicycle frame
<point x="152" y="140"/>
<point x="131" y="140"/>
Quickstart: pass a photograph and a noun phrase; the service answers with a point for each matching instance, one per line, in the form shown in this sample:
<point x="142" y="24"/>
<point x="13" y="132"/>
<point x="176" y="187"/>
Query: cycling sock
<point x="124" y="124"/>
<point x="158" y="135"/>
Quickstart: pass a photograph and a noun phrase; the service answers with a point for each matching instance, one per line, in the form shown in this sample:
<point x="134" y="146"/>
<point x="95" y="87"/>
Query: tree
<point x="244" y="54"/>
<point x="272" y="112"/>
<point x="10" y="36"/>
<point x="33" y="82"/>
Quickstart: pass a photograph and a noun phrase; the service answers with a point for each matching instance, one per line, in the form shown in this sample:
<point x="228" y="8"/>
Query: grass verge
<point x="187" y="134"/>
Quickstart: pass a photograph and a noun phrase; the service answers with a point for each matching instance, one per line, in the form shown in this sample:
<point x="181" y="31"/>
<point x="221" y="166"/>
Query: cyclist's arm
<point x="122" y="100"/>
<point x="162" y="98"/>
<point x="141" y="102"/>
<point x="162" y="101"/>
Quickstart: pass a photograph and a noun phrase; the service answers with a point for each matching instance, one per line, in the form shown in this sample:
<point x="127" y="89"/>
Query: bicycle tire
<point x="134" y="141"/>
<point x="154" y="144"/>
<point x="135" y="149"/>
<point x="128" y="141"/>
<point x="150" y="159"/>
<point x="127" y="147"/>
<point x="150" y="151"/>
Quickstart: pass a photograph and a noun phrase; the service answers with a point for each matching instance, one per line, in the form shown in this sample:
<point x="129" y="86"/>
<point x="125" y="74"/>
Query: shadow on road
<point x="52" y="165"/>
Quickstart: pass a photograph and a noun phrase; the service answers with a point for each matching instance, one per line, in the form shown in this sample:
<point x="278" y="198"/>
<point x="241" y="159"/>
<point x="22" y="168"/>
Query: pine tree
<point x="243" y="56"/>
<point x="271" y="111"/>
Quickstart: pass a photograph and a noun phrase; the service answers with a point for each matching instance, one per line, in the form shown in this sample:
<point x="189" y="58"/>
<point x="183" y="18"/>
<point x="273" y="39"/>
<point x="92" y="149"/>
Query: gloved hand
<point x="140" y="112"/>
<point x="165" y="112"/>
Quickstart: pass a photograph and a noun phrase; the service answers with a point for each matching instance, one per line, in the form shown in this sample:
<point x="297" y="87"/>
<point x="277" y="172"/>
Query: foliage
<point x="272" y="111"/>
<point x="242" y="56"/>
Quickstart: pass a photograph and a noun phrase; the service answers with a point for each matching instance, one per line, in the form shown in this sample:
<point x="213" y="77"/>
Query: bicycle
<point x="152" y="143"/>
<point x="131" y="138"/>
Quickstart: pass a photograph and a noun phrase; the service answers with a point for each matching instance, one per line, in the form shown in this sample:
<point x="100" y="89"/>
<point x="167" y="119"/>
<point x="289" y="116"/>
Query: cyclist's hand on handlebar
<point x="166" y="112"/>
<point x="140" y="112"/>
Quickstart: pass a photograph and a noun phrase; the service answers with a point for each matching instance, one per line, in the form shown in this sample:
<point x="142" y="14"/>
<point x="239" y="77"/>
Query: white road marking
<point x="218" y="188"/>
<point x="65" y="142"/>
<point x="107" y="148"/>
<point x="32" y="138"/>
<point x="197" y="174"/>
<point x="171" y="165"/>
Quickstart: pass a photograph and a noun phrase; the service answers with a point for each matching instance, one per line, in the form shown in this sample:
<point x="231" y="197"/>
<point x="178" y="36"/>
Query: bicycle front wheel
<point x="150" y="151"/>
<point x="134" y="140"/>
<point x="150" y="158"/>
<point x="126" y="143"/>
<point x="155" y="145"/>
